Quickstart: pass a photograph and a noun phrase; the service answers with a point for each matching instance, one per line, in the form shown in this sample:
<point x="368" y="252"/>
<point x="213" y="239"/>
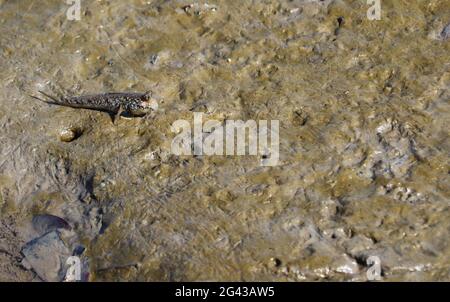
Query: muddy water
<point x="363" y="110"/>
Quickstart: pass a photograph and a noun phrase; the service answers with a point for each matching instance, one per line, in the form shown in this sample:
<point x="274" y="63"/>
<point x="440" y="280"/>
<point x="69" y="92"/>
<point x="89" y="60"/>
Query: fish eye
<point x="147" y="102"/>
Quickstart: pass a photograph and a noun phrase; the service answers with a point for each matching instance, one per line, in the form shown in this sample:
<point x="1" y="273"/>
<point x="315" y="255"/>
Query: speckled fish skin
<point x="135" y="104"/>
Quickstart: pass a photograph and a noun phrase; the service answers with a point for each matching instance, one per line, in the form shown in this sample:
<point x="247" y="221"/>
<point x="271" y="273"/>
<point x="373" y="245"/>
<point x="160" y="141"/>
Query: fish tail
<point x="55" y="100"/>
<point x="42" y="100"/>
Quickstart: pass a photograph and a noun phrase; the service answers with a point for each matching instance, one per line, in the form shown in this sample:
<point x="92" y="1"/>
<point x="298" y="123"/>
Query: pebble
<point x="346" y="265"/>
<point x="69" y="134"/>
<point x="45" y="223"/>
<point x="274" y="262"/>
<point x="47" y="256"/>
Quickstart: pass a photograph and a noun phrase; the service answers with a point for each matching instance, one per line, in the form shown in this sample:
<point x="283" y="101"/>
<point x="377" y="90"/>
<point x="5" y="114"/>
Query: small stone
<point x="346" y="265"/>
<point x="69" y="134"/>
<point x="274" y="262"/>
<point x="47" y="256"/>
<point x="45" y="223"/>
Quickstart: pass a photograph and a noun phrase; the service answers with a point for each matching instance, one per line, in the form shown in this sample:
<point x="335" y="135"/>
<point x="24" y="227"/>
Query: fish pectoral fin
<point x="112" y="116"/>
<point x="115" y="117"/>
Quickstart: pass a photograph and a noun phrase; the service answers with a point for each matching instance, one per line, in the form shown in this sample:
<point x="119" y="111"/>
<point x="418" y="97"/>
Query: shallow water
<point x="363" y="108"/>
